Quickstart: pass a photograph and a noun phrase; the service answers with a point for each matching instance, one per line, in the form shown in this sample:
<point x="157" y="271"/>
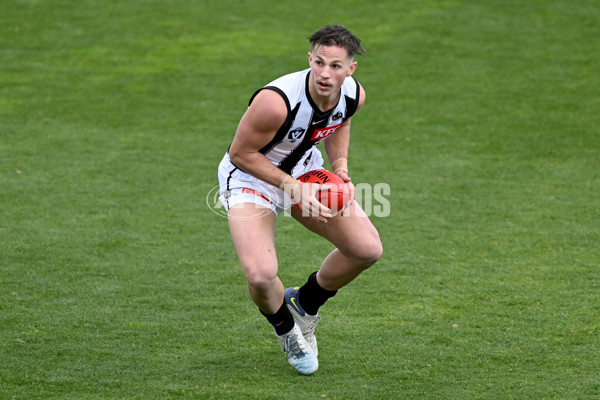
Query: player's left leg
<point x="357" y="248"/>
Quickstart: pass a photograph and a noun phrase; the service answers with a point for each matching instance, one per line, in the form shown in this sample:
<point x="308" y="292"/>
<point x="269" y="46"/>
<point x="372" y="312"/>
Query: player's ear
<point x="309" y="57"/>
<point x="352" y="68"/>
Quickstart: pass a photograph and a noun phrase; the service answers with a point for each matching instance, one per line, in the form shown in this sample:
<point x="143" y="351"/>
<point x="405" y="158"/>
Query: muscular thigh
<point x="253" y="233"/>
<point x="349" y="232"/>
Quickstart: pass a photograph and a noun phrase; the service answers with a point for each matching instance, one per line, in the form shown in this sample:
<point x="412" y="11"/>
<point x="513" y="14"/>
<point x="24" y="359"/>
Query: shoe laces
<point x="292" y="346"/>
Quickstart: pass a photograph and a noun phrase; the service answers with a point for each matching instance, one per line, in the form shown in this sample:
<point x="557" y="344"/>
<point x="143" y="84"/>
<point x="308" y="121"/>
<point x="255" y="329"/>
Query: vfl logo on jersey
<point x="322" y="133"/>
<point x="295" y="134"/>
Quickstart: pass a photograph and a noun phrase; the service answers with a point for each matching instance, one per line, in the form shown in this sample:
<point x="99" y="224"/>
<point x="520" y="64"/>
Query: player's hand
<point x="309" y="204"/>
<point x="343" y="174"/>
<point x="304" y="195"/>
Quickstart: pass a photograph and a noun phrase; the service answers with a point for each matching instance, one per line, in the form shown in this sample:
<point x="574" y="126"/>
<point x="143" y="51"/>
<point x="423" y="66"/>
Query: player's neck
<point x="325" y="103"/>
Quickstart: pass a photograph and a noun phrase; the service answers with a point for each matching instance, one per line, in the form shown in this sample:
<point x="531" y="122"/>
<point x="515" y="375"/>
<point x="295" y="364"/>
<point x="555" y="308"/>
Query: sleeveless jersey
<point x="305" y="125"/>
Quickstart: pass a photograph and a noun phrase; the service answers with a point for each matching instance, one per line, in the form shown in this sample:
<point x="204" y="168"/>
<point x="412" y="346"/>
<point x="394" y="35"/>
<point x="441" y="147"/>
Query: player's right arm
<point x="256" y="129"/>
<point x="258" y="126"/>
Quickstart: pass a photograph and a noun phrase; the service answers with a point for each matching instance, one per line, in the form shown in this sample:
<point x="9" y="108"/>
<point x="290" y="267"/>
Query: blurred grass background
<point x="118" y="282"/>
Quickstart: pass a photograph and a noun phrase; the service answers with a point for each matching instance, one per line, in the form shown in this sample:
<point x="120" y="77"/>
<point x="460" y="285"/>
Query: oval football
<point x="338" y="194"/>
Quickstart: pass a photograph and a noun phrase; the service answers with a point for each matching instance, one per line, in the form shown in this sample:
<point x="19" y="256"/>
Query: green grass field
<point x="118" y="282"/>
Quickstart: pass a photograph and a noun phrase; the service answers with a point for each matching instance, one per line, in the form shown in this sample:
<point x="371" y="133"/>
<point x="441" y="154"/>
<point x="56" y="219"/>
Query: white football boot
<point x="298" y="352"/>
<point x="307" y="323"/>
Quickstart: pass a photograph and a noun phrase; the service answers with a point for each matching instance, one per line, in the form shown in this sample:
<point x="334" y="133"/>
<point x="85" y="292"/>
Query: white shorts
<point x="237" y="186"/>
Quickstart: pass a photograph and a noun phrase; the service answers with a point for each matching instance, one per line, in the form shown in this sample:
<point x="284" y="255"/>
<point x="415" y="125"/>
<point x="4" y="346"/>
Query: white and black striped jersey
<point x="305" y="125"/>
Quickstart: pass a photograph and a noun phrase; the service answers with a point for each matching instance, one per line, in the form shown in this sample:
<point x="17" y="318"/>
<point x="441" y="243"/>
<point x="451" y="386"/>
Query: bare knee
<point x="260" y="281"/>
<point x="372" y="251"/>
<point x="368" y="250"/>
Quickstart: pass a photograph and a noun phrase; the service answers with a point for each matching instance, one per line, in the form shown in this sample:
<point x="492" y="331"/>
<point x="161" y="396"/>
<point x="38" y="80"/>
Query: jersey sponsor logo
<point x="295" y="134"/>
<point x="337" y="116"/>
<point x="322" y="133"/>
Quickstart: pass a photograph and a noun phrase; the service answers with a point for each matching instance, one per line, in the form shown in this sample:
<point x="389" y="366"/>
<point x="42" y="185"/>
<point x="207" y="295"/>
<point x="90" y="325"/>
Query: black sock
<point x="282" y="320"/>
<point x="311" y="296"/>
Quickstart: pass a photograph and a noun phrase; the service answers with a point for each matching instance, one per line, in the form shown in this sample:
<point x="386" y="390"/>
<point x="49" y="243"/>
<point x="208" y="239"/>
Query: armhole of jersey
<point x="285" y="99"/>
<point x="275" y="89"/>
<point x="353" y="104"/>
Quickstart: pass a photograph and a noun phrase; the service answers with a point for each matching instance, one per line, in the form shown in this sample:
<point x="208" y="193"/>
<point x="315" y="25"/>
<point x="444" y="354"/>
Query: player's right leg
<point x="252" y="230"/>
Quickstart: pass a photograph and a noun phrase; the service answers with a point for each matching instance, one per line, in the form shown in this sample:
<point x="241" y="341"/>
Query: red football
<point x="338" y="194"/>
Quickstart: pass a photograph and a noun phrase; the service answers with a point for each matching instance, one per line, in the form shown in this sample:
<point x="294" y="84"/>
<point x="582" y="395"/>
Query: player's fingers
<point x="311" y="207"/>
<point x="350" y="193"/>
<point x="318" y="209"/>
<point x="321" y="210"/>
<point x="344" y="176"/>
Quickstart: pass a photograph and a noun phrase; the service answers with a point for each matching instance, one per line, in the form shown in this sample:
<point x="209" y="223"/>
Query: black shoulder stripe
<point x="291" y="114"/>
<point x="282" y="131"/>
<point x="275" y="89"/>
<point x="352" y="104"/>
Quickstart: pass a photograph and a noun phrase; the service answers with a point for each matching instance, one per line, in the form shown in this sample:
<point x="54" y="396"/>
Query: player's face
<point x="330" y="66"/>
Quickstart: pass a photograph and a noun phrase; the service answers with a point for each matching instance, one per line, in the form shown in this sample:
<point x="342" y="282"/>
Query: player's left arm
<point x="336" y="147"/>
